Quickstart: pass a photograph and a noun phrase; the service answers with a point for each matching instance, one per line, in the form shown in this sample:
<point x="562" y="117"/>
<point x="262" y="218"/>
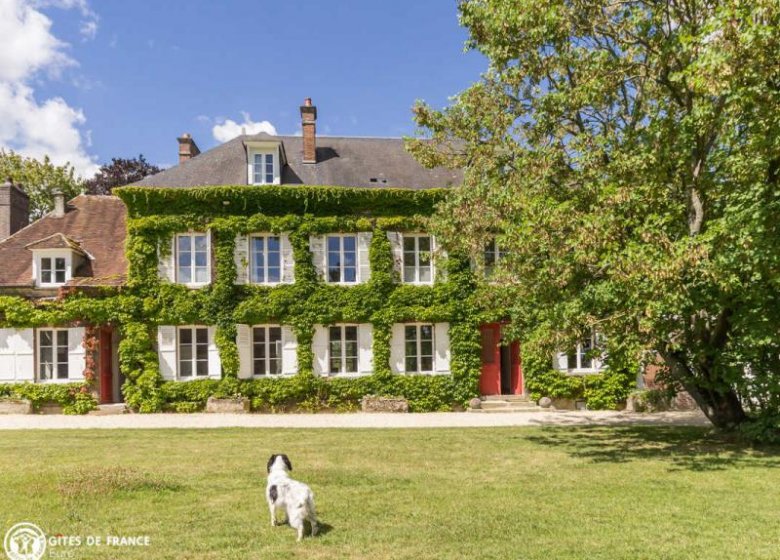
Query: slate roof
<point x="96" y="224"/>
<point x="56" y="241"/>
<point x="348" y="162"/>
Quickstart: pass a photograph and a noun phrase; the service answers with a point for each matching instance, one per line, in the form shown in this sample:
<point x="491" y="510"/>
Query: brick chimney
<point x="14" y="209"/>
<point x="188" y="149"/>
<point x="308" y="122"/>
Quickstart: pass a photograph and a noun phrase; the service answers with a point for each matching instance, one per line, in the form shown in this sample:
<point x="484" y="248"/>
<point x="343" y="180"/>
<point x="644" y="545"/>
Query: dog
<point x="294" y="497"/>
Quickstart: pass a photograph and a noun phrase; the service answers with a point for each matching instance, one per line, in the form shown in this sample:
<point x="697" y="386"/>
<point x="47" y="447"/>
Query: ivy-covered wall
<point x="155" y="215"/>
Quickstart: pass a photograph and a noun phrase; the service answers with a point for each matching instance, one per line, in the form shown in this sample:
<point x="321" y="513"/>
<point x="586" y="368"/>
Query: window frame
<point x="265" y="152"/>
<point x="342" y="266"/>
<point x="416" y="265"/>
<point x="597" y="365"/>
<point x="193" y="359"/>
<point x="39" y="257"/>
<point x="418" y="343"/>
<point x="191" y="235"/>
<point x="55" y="346"/>
<point x="342" y="372"/>
<point x="265" y="237"/>
<point x="267" y="343"/>
<point x="493" y="249"/>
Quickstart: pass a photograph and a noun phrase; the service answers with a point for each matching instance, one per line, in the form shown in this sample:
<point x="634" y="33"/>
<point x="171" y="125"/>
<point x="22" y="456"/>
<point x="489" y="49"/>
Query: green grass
<point x="502" y="493"/>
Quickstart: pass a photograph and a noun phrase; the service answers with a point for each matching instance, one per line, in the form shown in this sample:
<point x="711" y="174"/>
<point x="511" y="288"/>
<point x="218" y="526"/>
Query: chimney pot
<point x="308" y="123"/>
<point x="59" y="203"/>
<point x="188" y="149"/>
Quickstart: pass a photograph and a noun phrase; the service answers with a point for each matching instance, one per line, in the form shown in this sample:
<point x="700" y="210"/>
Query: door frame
<point x="490" y="382"/>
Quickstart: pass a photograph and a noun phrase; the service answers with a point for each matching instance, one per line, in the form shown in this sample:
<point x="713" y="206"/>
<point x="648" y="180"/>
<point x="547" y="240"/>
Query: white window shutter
<point x="215" y="365"/>
<point x="318" y="254"/>
<point x="397" y="349"/>
<point x="244" y="343"/>
<point x="561" y="361"/>
<point x="241" y="259"/>
<point x="363" y="246"/>
<point x="439" y="256"/>
<point x="166" y="350"/>
<point x="288" y="259"/>
<point x="441" y="341"/>
<point x="24" y="345"/>
<point x="396" y="245"/>
<point x="166" y="264"/>
<point x="319" y="347"/>
<point x="289" y="351"/>
<point x="365" y="348"/>
<point x="7" y="355"/>
<point x="76" y="354"/>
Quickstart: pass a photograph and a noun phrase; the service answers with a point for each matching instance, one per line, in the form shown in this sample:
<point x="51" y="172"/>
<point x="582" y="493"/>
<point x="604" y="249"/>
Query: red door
<point x="490" y="380"/>
<point x="106" y="373"/>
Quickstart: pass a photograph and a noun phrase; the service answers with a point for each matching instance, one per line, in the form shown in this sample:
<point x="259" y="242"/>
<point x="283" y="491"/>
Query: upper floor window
<point x="417" y="260"/>
<point x="266" y="259"/>
<point x="263" y="169"/>
<point x="193" y="352"/>
<point x="53" y="271"/>
<point x="342" y="258"/>
<point x="343" y="349"/>
<point x="192" y="258"/>
<point x="418" y="340"/>
<point x="492" y="254"/>
<point x="52" y="354"/>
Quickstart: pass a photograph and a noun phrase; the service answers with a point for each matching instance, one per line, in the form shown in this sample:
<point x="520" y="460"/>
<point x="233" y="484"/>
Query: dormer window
<point x="55" y="260"/>
<point x="263" y="169"/>
<point x="53" y="271"/>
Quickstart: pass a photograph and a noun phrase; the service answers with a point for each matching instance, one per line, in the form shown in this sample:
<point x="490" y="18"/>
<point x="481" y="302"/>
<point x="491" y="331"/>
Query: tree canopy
<point x="626" y="155"/>
<point x="119" y="173"/>
<point x="39" y="179"/>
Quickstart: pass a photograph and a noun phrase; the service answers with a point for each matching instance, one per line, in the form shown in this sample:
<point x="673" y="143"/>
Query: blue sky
<point x="146" y="71"/>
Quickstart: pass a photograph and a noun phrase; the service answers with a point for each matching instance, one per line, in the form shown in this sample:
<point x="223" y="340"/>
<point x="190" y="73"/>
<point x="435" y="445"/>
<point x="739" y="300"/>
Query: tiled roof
<point x="56" y="241"/>
<point x="96" y="224"/>
<point x="346" y="162"/>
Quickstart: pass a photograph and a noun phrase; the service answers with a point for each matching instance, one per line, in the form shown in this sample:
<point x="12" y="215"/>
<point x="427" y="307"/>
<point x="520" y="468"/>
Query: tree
<point x="118" y="173"/>
<point x="627" y="156"/>
<point x="39" y="179"/>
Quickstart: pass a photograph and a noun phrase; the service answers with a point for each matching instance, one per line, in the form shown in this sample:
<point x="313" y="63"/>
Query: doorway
<point x="501" y="370"/>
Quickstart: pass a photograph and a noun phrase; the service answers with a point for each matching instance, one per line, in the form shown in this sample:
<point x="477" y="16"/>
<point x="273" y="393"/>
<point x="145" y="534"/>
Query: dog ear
<point x="287" y="462"/>
<point x="271" y="462"/>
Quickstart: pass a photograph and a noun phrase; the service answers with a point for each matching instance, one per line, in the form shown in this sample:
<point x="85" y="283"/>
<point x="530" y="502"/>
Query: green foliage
<point x="75" y="398"/>
<point x="39" y="179"/>
<point x="625" y="155"/>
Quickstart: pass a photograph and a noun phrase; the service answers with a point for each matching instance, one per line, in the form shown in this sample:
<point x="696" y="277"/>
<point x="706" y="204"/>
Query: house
<point x="261" y="259"/>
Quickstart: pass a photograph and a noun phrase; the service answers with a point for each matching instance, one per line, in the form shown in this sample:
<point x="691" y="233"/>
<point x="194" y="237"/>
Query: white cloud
<point x="27" y="49"/>
<point x="229" y="129"/>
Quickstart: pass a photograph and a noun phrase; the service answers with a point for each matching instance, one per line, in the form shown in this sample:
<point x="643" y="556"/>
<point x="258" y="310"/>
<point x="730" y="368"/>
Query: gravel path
<point x="353" y="420"/>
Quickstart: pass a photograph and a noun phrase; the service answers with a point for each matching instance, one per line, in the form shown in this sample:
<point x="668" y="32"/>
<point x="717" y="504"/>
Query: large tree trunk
<point x="722" y="407"/>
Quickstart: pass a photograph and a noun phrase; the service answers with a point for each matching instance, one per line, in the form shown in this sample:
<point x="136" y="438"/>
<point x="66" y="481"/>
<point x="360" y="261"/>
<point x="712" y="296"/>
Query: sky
<point x="87" y="80"/>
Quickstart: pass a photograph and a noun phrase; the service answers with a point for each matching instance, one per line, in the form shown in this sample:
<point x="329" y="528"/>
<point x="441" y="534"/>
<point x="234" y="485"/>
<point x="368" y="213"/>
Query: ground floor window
<point x="52" y="354"/>
<point x="418" y="341"/>
<point x="193" y="352"/>
<point x="343" y="349"/>
<point x="587" y="355"/>
<point x="266" y="350"/>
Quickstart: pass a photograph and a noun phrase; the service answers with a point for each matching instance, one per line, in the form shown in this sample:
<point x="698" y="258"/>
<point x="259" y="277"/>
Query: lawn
<point x="499" y="493"/>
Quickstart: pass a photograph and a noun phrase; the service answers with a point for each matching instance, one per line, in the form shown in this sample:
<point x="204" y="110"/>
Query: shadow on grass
<point x="324" y="529"/>
<point x="683" y="448"/>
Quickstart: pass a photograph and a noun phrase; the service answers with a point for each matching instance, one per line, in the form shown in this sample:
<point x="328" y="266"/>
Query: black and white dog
<point x="294" y="497"/>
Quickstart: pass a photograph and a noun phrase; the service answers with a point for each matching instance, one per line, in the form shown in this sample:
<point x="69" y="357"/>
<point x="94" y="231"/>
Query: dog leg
<point x="272" y="509"/>
<point x="296" y="521"/>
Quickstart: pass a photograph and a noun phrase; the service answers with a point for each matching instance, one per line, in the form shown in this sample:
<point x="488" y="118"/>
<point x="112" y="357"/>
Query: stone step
<point x="109" y="409"/>
<point x="490" y="405"/>
<point x="508" y="409"/>
<point x="508" y="398"/>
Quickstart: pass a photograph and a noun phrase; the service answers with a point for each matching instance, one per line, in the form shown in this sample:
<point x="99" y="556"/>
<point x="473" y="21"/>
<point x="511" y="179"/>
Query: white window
<point x="192" y="259"/>
<point x="52" y="354"/>
<point x="418" y="346"/>
<point x="53" y="270"/>
<point x="52" y="267"/>
<point x="263" y="170"/>
<point x="492" y="254"/>
<point x="266" y="259"/>
<point x="342" y="259"/>
<point x="193" y="352"/>
<point x="586" y="357"/>
<point x="417" y="261"/>
<point x="266" y="351"/>
<point x="343" y="349"/>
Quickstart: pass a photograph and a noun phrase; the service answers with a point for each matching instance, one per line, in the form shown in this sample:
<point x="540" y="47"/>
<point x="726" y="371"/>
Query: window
<point x="193" y="352"/>
<point x="586" y="356"/>
<point x="53" y="270"/>
<point x="492" y="254"/>
<point x="52" y="354"/>
<point x="192" y="266"/>
<point x="417" y="259"/>
<point x="266" y="350"/>
<point x="266" y="259"/>
<point x="418" y="341"/>
<point x="342" y="258"/>
<point x="263" y="169"/>
<point x="343" y="345"/>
